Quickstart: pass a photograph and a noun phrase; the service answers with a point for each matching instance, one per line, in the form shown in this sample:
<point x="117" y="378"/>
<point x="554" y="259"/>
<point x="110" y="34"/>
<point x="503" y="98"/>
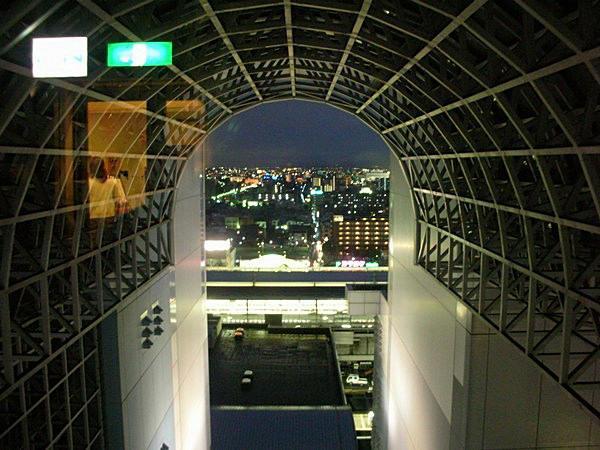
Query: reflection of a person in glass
<point x="107" y="197"/>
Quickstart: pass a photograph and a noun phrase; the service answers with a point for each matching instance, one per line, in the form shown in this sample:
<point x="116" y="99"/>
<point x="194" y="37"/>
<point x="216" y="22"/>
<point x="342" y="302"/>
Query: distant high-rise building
<point x="232" y="223"/>
<point x="347" y="181"/>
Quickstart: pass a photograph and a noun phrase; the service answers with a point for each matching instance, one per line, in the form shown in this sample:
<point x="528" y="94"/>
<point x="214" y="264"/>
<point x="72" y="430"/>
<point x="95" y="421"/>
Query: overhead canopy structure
<point x="492" y="107"/>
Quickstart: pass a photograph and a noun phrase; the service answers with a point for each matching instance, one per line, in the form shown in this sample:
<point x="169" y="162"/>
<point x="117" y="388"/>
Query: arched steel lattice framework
<point x="492" y="107"/>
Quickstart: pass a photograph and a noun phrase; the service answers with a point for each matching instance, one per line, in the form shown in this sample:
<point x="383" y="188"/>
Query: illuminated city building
<point x="361" y="238"/>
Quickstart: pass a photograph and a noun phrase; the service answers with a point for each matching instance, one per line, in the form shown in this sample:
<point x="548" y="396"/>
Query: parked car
<point x="248" y="374"/>
<point x="354" y="380"/>
<point x="246" y="383"/>
<point x="239" y="334"/>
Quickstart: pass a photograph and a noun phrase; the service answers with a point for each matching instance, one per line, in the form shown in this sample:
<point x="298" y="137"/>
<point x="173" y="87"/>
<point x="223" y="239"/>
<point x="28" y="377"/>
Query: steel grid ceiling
<point x="491" y="106"/>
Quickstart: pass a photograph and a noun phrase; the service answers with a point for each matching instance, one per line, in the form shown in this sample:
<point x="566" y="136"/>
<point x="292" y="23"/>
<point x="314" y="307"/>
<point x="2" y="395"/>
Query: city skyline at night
<point x="297" y="217"/>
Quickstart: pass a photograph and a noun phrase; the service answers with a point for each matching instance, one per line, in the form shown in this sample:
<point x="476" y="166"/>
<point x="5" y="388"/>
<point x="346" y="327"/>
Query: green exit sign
<point x="139" y="54"/>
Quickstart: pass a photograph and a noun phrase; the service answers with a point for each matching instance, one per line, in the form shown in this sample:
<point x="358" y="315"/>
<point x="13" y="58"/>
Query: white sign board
<point x="346" y="263"/>
<point x="217" y="245"/>
<point x="59" y="57"/>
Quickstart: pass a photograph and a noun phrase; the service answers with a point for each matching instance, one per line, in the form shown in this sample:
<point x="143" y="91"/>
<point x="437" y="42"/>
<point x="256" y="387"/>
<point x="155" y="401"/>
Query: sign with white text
<point x="59" y="57"/>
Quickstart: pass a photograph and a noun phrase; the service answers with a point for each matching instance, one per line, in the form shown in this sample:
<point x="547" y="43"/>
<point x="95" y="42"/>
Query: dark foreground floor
<point x="289" y="369"/>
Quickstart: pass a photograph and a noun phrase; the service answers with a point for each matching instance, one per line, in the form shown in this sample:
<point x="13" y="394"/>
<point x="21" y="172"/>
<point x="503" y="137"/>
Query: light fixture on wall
<point x="146" y="321"/>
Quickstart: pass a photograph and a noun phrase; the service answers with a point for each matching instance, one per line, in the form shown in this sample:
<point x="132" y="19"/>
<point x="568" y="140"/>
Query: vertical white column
<point x="424" y="341"/>
<point x="190" y="368"/>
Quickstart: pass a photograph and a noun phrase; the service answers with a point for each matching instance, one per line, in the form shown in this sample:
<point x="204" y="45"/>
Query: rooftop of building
<point x="292" y="367"/>
<point x="323" y="428"/>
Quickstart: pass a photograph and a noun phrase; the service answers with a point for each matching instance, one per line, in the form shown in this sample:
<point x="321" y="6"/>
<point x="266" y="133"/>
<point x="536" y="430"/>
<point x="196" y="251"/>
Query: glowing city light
<point x="216" y="245"/>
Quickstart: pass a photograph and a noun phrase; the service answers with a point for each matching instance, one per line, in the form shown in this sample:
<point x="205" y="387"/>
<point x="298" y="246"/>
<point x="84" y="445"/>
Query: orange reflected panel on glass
<point x="190" y="115"/>
<point x="117" y="134"/>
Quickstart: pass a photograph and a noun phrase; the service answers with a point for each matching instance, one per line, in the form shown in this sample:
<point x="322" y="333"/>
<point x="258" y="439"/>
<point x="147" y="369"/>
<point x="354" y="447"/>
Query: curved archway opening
<point x="300" y="163"/>
<point x="318" y="140"/>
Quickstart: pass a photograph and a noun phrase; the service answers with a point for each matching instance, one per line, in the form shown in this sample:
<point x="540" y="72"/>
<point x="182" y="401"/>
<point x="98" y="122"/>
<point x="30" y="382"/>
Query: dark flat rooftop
<point x="289" y="370"/>
<point x="321" y="428"/>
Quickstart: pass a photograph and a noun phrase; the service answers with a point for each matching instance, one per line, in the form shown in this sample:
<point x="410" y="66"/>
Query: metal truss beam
<point x="16" y="13"/>
<point x="362" y="14"/>
<point x="559" y="151"/>
<point x="453" y="25"/>
<point x="24" y="71"/>
<point x="583" y="57"/>
<point x="32" y="27"/>
<point x="529" y="315"/>
<point x="289" y="33"/>
<point x="227" y="41"/>
<point x="108" y="19"/>
<point x="78" y="152"/>
<point x="512" y="210"/>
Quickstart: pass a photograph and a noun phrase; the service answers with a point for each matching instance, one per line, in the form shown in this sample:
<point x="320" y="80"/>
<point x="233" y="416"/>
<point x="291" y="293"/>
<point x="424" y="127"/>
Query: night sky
<point x="295" y="133"/>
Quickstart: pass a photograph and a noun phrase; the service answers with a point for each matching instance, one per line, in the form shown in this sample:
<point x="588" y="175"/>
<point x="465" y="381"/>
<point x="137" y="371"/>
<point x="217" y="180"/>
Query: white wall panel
<point x="133" y="420"/>
<point x="192" y="416"/>
<point x="566" y="425"/>
<point x="134" y="359"/>
<point x="194" y="404"/>
<point x="425" y="349"/>
<point x="477" y="385"/>
<point x="146" y="408"/>
<point x="191" y="336"/>
<point x="189" y="183"/>
<point x="413" y="404"/>
<point x="146" y="376"/>
<point x="451" y="382"/>
<point x="166" y="431"/>
<point x="427" y="331"/>
<point x="190" y="288"/>
<point x="512" y="404"/>
<point x="512" y="395"/>
<point x="188" y="223"/>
